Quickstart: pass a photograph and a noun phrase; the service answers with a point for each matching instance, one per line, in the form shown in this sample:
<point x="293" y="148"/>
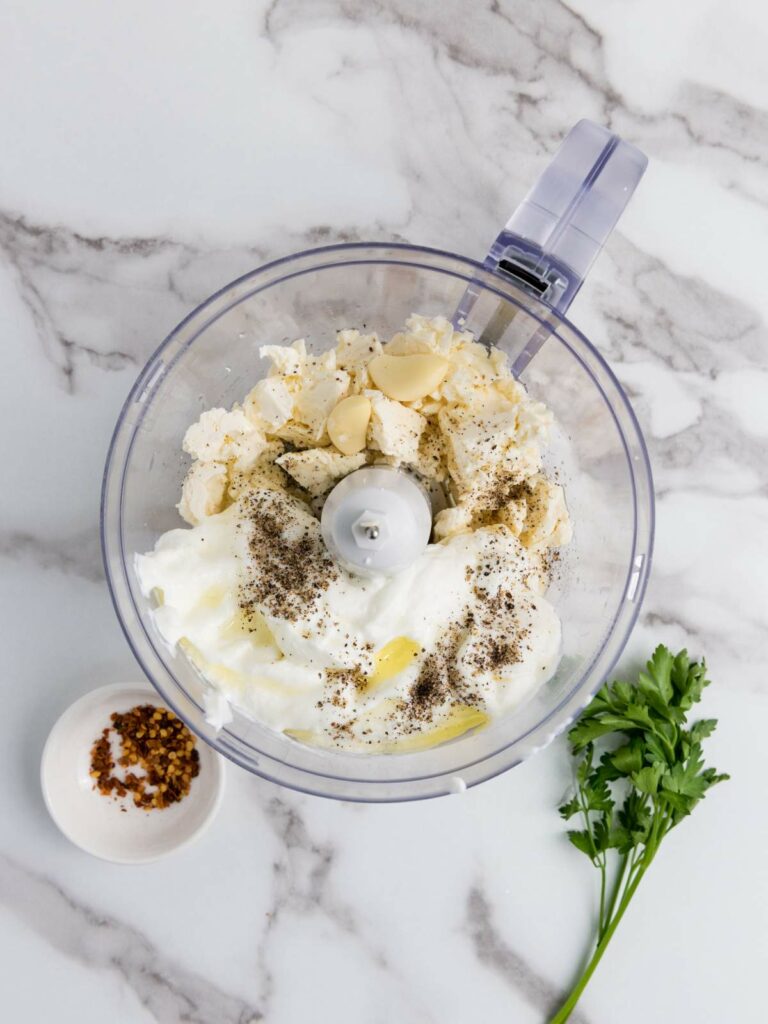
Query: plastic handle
<point x="553" y="237"/>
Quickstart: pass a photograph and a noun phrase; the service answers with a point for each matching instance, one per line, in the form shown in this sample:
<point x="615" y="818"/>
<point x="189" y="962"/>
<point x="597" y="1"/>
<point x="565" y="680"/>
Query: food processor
<point x="515" y="299"/>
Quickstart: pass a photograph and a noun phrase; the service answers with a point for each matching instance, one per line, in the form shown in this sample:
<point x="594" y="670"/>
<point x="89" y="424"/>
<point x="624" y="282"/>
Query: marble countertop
<point x="154" y="151"/>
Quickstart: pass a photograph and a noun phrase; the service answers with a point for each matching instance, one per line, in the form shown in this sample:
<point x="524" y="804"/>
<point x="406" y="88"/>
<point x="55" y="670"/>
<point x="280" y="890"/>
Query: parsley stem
<point x="601" y="919"/>
<point x="567" y="1008"/>
<point x="605" y="918"/>
<point x="598" y="858"/>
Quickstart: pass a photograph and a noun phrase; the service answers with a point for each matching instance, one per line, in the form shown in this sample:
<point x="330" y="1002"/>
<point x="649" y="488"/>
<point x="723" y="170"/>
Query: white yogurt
<point x="277" y="673"/>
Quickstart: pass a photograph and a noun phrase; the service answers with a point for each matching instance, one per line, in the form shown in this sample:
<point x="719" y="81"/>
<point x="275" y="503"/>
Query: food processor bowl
<point x="597" y="453"/>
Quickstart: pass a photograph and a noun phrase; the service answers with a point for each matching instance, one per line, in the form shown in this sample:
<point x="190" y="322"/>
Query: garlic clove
<point x="348" y="424"/>
<point x="407" y="378"/>
<point x="392" y="659"/>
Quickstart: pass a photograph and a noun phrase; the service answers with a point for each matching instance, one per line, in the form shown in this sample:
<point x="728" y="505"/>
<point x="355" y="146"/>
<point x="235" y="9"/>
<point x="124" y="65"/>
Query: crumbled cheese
<point x="426" y="334"/>
<point x="430" y="460"/>
<point x="480" y="437"/>
<point x="269" y="404"/>
<point x="475" y="439"/>
<point x="299" y="435"/>
<point x="221" y="436"/>
<point x="451" y="521"/>
<point x="264" y="473"/>
<point x="354" y="350"/>
<point x="513" y="515"/>
<point x="202" y="494"/>
<point x="288" y="360"/>
<point x="322" y="390"/>
<point x="547" y="523"/>
<point x="394" y="428"/>
<point x="318" y="469"/>
<point x="473" y="371"/>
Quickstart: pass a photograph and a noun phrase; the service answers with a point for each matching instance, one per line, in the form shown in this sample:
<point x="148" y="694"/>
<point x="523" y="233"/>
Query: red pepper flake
<point x="157" y="749"/>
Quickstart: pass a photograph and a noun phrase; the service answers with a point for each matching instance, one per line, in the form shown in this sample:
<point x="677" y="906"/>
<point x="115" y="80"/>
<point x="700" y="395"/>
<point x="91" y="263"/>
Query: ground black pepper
<point x="290" y="567"/>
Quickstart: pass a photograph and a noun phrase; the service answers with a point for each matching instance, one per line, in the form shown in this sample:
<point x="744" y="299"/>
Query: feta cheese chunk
<point x="547" y="523"/>
<point x="319" y="395"/>
<point x="533" y="510"/>
<point x="479" y="438"/>
<point x="354" y="350"/>
<point x="221" y="436"/>
<point x="299" y="435"/>
<point x="288" y="360"/>
<point x="475" y="369"/>
<point x="426" y="334"/>
<point x="318" y="469"/>
<point x="431" y="457"/>
<point x="451" y="521"/>
<point x="394" y="429"/>
<point x="269" y="404"/>
<point x="202" y="493"/>
<point x="265" y="473"/>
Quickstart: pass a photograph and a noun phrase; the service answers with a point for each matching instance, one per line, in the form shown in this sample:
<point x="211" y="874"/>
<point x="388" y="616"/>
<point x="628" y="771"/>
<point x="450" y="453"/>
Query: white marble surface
<point x="153" y="150"/>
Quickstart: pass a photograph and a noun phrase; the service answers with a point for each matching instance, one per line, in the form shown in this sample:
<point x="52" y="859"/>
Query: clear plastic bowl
<point x="597" y="452"/>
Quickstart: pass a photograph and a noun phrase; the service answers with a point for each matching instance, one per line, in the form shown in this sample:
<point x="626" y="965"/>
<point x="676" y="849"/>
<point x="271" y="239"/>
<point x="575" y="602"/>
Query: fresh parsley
<point x="640" y="772"/>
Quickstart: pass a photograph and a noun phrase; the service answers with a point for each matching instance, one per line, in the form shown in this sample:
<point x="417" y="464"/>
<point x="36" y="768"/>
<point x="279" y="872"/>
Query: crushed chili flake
<point x="158" y="755"/>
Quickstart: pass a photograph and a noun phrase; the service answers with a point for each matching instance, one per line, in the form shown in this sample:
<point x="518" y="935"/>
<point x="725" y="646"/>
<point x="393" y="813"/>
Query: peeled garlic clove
<point x="393" y="657"/>
<point x="406" y="378"/>
<point x="460" y="719"/>
<point x="348" y="424"/>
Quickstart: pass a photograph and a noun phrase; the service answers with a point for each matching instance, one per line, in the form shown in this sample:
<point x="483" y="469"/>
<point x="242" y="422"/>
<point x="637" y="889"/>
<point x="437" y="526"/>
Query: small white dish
<point x="114" y="829"/>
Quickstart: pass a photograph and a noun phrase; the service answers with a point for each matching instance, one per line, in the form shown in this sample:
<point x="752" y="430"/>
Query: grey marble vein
<point x="492" y="950"/>
<point x="735" y="637"/>
<point x="171" y="993"/>
<point x="52" y="264"/>
<point x="510" y="39"/>
<point x="303" y="886"/>
<point x="682" y="321"/>
<point x="72" y="284"/>
<point x="78" y="555"/>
